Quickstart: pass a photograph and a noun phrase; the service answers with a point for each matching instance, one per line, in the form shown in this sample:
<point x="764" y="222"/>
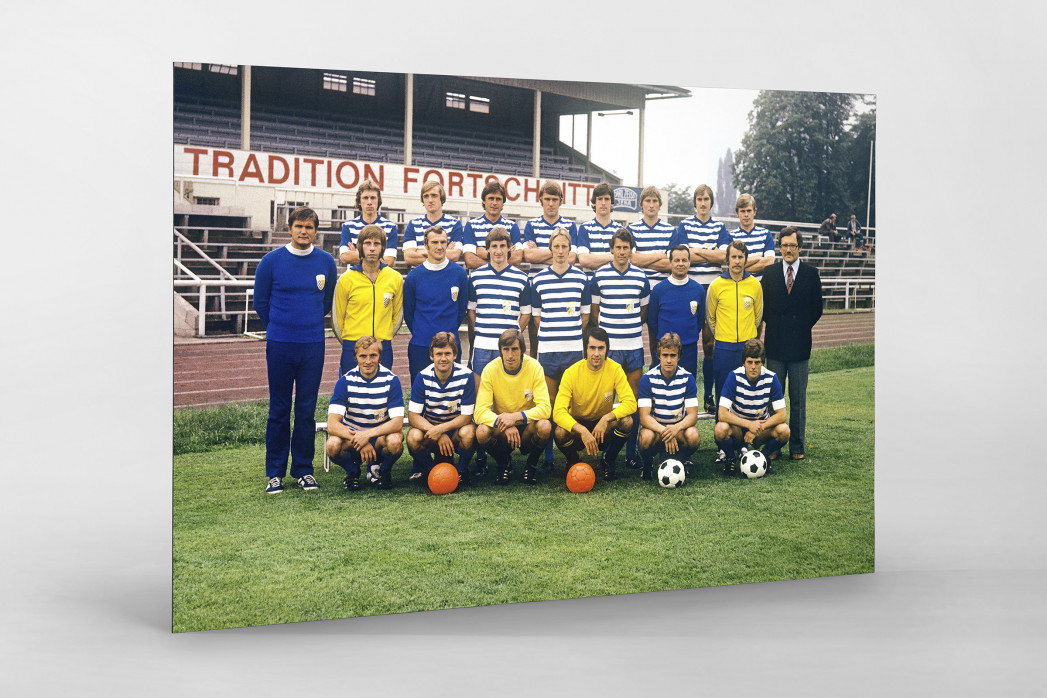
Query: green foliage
<point x="242" y="557"/>
<point x="679" y="198"/>
<point x="801" y="159"/>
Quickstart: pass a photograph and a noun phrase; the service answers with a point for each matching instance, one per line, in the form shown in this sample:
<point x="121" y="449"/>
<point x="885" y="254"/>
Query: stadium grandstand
<point x="253" y="142"/>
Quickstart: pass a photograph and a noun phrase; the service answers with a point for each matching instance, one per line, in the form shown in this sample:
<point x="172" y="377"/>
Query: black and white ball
<point x="670" y="473"/>
<point x="753" y="464"/>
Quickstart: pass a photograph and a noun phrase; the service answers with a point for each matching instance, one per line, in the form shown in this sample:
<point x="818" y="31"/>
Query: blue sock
<point x="549" y="451"/>
<point x="708" y="377"/>
<point x="630" y="444"/>
<point x="423" y="461"/>
<point x="465" y="455"/>
<point x="349" y="463"/>
<point x="727" y="446"/>
<point x="388" y="460"/>
<point x="773" y="446"/>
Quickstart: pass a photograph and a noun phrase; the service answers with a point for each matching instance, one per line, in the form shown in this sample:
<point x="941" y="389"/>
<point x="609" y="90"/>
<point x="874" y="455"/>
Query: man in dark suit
<point x="792" y="304"/>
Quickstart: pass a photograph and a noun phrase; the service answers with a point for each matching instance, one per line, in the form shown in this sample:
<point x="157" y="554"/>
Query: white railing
<point x="851" y="290"/>
<point x="206" y="285"/>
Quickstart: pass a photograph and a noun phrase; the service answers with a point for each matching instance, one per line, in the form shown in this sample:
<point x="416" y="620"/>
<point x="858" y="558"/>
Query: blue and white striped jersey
<point x="499" y="298"/>
<point x="595" y="238"/>
<point x="710" y="235"/>
<point x="538" y="230"/>
<point x="560" y="301"/>
<point x="363" y="403"/>
<point x="441" y="402"/>
<point x="621" y="296"/>
<point x="475" y="234"/>
<point x="351" y="230"/>
<point x="668" y="398"/>
<point x="653" y="238"/>
<point x="757" y="400"/>
<point x="414" y="231"/>
<point x="759" y="241"/>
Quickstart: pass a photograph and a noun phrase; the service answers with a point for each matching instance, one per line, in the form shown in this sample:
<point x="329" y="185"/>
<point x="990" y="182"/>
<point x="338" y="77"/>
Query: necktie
<point x="789" y="279"/>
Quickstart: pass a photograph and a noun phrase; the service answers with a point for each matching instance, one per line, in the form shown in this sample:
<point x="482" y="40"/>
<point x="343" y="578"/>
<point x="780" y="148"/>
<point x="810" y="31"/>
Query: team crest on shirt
<point x="528" y="395"/>
<point x="629" y="308"/>
<point x="748" y="302"/>
<point x="454" y="293"/>
<point x="320" y="281"/>
<point x="386" y="299"/>
<point x="677" y="414"/>
<point x="694" y="307"/>
<point x="379" y="414"/>
<point x="570" y="308"/>
<point x="608" y="396"/>
<point x="507" y="307"/>
<point x="452" y="406"/>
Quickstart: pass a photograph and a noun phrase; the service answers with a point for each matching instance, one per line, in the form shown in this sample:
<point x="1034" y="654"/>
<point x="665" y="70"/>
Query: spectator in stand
<point x="855" y="231"/>
<point x="433" y="199"/>
<point x="828" y="228"/>
<point x="369" y="203"/>
<point x="293" y="291"/>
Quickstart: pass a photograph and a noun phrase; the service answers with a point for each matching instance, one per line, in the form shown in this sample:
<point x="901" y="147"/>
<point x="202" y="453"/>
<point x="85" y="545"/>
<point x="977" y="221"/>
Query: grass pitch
<point x="242" y="557"/>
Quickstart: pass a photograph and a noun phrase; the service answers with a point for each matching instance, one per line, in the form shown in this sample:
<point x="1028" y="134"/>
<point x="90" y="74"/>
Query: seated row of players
<point x="510" y="410"/>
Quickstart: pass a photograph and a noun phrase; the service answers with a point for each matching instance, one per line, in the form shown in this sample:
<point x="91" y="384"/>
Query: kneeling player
<point x="668" y="405"/>
<point x="752" y="408"/>
<point x="583" y="412"/>
<point x="441" y="411"/>
<point x="512" y="408"/>
<point x="366" y="417"/>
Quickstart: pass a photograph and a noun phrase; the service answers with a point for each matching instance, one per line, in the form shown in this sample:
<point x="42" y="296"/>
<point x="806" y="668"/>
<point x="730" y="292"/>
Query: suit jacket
<point x="790" y="316"/>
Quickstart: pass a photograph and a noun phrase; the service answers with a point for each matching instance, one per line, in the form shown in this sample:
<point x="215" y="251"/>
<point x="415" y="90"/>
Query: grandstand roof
<point x="592" y="96"/>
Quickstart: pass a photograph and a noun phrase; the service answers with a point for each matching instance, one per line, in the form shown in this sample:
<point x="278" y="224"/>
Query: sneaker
<point x="530" y="475"/>
<point x="276" y="486"/>
<point x="351" y="483"/>
<point x="308" y="483"/>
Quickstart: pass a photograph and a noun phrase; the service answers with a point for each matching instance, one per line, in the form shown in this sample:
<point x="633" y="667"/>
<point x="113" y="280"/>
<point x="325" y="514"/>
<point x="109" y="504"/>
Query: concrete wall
<point x="186" y="318"/>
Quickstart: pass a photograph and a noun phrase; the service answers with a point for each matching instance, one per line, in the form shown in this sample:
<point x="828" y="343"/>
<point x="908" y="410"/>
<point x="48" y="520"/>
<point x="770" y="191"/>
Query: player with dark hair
<point x="365" y="418"/>
<point x="436" y="299"/>
<point x="751" y="410"/>
<point x="653" y="237"/>
<point x="493" y="198"/>
<point x="293" y="291"/>
<point x="369" y="203"/>
<point x="758" y="240"/>
<point x="441" y="411"/>
<point x="368" y="300"/>
<point x="678" y="306"/>
<point x="433" y="199"/>
<point x="512" y="408"/>
<point x="620" y="294"/>
<point x="668" y="407"/>
<point x="584" y="411"/>
<point x="707" y="240"/>
<point x="594" y="237"/>
<point x="537" y="230"/>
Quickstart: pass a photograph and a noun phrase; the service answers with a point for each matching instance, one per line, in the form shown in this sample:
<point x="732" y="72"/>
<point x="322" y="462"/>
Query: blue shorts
<point x="482" y="357"/>
<point x="554" y="363"/>
<point x="630" y="359"/>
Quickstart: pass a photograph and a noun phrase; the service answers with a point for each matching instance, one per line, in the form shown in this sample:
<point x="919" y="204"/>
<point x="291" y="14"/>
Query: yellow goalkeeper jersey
<point x="588" y="395"/>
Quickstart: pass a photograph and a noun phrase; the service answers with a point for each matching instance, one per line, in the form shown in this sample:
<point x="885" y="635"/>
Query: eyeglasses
<point x="789" y="246"/>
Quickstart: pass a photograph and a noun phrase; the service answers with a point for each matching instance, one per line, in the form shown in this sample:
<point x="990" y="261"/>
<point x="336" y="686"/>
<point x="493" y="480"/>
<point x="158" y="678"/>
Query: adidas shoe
<point x="530" y="475"/>
<point x="385" y="480"/>
<point x="276" y="486"/>
<point x="647" y="472"/>
<point x="480" y="469"/>
<point x="710" y="405"/>
<point x="632" y="464"/>
<point x="351" y="483"/>
<point x="308" y="483"/>
<point x="687" y="466"/>
<point x="608" y="469"/>
<point x="502" y="475"/>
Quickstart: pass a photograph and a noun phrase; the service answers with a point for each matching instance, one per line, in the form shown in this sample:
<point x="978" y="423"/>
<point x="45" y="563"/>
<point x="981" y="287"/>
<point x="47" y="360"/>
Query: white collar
<point x="681" y="282"/>
<point x="301" y="253"/>
<point x="435" y="267"/>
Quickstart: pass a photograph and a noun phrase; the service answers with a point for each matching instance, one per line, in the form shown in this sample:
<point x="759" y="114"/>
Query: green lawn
<point x="242" y="557"/>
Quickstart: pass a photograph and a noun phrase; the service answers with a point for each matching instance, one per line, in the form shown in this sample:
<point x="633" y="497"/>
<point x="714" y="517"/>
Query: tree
<point x="797" y="157"/>
<point x="857" y="181"/>
<point x="726" y="194"/>
<point x="679" y="199"/>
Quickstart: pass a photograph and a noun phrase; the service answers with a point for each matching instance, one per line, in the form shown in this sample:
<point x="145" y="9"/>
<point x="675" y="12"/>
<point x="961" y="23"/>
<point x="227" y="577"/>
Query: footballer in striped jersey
<point x="653" y="237"/>
<point x="593" y="244"/>
<point x="492" y="197"/>
<point x="668" y="408"/>
<point x="369" y="203"/>
<point x="433" y="199"/>
<point x="758" y="240"/>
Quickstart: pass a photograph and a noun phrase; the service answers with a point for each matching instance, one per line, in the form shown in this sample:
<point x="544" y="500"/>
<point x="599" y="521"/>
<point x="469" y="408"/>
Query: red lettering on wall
<point x="196" y="153"/>
<point x="508" y="181"/>
<point x="475" y="178"/>
<point x="296" y="163"/>
<point x="338" y="174"/>
<point x="312" y="162"/>
<point x="252" y="169"/>
<point x="454" y="181"/>
<point x="221" y="160"/>
<point x="528" y="190"/>
<point x="433" y="174"/>
<point x="273" y="178"/>
<point x="328" y="173"/>
<point x="378" y="178"/>
<point x="410" y="176"/>
<point x="588" y="192"/>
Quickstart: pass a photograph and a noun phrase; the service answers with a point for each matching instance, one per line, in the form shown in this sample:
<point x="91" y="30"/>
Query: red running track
<point x="209" y="372"/>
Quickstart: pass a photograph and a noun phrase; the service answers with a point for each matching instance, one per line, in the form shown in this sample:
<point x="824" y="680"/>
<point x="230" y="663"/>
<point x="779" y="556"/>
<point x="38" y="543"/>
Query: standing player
<point x="369" y="203"/>
<point x="368" y="300"/>
<point x="593" y="244"/>
<point x="499" y="300"/>
<point x="707" y="239"/>
<point x="751" y="410"/>
<point x="758" y="241"/>
<point x="678" y="306"/>
<point x="734" y="308"/>
<point x="493" y="198"/>
<point x="668" y="405"/>
<point x="536" y="235"/>
<point x="441" y="411"/>
<point x="561" y="303"/>
<point x="436" y="299"/>
<point x="792" y="303"/>
<point x="433" y="199"/>
<point x="365" y="418"/>
<point x="293" y="291"/>
<point x="620" y="294"/>
<point x="512" y="408"/>
<point x="584" y="411"/>
<point x="653" y="237"/>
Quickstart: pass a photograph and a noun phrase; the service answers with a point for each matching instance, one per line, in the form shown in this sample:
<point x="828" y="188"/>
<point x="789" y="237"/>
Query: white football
<point x="753" y="464"/>
<point x="670" y="473"/>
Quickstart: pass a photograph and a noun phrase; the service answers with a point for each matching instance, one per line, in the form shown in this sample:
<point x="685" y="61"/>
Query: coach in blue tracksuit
<point x="293" y="291"/>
